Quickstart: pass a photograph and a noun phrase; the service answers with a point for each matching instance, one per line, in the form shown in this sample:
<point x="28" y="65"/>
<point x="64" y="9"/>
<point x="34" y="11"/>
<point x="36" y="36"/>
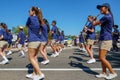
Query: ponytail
<point x="40" y="16"/>
<point x="38" y="13"/>
<point x="47" y="24"/>
<point x="112" y="16"/>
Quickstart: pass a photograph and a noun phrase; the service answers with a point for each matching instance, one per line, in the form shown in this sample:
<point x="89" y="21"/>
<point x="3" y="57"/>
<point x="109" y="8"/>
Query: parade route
<point x="70" y="65"/>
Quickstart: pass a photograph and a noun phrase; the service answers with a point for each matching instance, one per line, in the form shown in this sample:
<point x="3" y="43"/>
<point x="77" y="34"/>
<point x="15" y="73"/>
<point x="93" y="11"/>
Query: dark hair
<point x="9" y="30"/>
<point x="62" y="32"/>
<point x="47" y="23"/>
<point x="116" y="26"/>
<point x="3" y="25"/>
<point x="58" y="32"/>
<point x="111" y="15"/>
<point x="38" y="13"/>
<point x="54" y="22"/>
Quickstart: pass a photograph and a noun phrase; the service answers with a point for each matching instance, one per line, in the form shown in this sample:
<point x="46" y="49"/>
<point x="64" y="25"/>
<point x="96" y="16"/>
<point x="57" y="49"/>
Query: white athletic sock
<point x="84" y="49"/>
<point x="80" y="48"/>
<point x="56" y="52"/>
<point x="22" y="53"/>
<point x="4" y="57"/>
<point x="10" y="51"/>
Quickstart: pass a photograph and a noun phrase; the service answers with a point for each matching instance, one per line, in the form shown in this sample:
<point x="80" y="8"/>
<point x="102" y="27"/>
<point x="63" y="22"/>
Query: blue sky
<point x="70" y="15"/>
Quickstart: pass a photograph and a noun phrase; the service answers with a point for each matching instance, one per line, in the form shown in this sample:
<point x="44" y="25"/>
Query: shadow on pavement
<point x="76" y="64"/>
<point x="114" y="58"/>
<point x="30" y="68"/>
<point x="40" y="59"/>
<point x="10" y="59"/>
<point x="84" y="68"/>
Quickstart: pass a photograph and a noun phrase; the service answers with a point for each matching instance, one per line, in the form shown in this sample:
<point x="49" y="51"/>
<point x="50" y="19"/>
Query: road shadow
<point x="40" y="59"/>
<point x="81" y="66"/>
<point x="50" y="53"/>
<point x="112" y="56"/>
<point x="77" y="58"/>
<point x="10" y="58"/>
<point x="114" y="59"/>
<point x="30" y="68"/>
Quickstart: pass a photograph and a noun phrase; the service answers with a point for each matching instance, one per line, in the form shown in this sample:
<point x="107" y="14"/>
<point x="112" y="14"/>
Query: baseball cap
<point x="20" y="27"/>
<point x="104" y="5"/>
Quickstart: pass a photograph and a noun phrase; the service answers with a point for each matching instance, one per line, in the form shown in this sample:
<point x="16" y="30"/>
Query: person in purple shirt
<point x="90" y="30"/>
<point x="3" y="42"/>
<point x="62" y="37"/>
<point x="81" y="42"/>
<point x="115" y="37"/>
<point x="33" y="24"/>
<point x="54" y="33"/>
<point x="54" y="30"/>
<point x="106" y="23"/>
<point x="45" y="29"/>
<point x="20" y="41"/>
<point x="10" y="37"/>
<point x="59" y="42"/>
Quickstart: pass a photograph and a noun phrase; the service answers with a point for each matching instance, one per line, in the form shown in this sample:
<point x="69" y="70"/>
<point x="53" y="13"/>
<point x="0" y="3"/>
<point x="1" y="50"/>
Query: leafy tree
<point x="16" y="30"/>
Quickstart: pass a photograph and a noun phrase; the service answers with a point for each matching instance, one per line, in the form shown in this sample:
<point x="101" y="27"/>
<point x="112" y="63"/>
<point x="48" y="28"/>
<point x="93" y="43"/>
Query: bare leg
<point x="105" y="63"/>
<point x="32" y="57"/>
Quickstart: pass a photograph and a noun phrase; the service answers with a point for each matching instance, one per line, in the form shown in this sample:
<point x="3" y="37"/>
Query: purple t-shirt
<point x="44" y="33"/>
<point x="106" y="27"/>
<point x="116" y="36"/>
<point x="54" y="35"/>
<point x="90" y="35"/>
<point x="4" y="33"/>
<point x="22" y="37"/>
<point x="33" y="29"/>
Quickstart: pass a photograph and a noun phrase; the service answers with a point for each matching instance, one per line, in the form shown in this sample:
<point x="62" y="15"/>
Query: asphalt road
<point x="70" y="65"/>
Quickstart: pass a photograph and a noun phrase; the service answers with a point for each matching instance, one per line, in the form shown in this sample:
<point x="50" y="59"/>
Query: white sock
<point x="10" y="51"/>
<point x="61" y="49"/>
<point x="4" y="57"/>
<point x="84" y="49"/>
<point x="80" y="48"/>
<point x="22" y="53"/>
<point x="56" y="52"/>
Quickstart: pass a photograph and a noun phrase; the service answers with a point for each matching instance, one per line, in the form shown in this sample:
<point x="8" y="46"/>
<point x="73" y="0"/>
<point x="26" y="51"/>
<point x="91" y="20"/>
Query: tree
<point x="16" y="30"/>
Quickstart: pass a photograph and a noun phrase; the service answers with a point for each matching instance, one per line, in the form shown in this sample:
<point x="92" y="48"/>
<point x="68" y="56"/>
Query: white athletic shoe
<point x="91" y="61"/>
<point x="37" y="77"/>
<point x="53" y="55"/>
<point x="84" y="50"/>
<point x="101" y="76"/>
<point x="111" y="76"/>
<point x="4" y="62"/>
<point x="9" y="53"/>
<point x="31" y="76"/>
<point x="56" y="54"/>
<point x="80" y="49"/>
<point x="45" y="62"/>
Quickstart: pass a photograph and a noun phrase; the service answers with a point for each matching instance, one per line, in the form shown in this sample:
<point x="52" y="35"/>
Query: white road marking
<point x="56" y="69"/>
